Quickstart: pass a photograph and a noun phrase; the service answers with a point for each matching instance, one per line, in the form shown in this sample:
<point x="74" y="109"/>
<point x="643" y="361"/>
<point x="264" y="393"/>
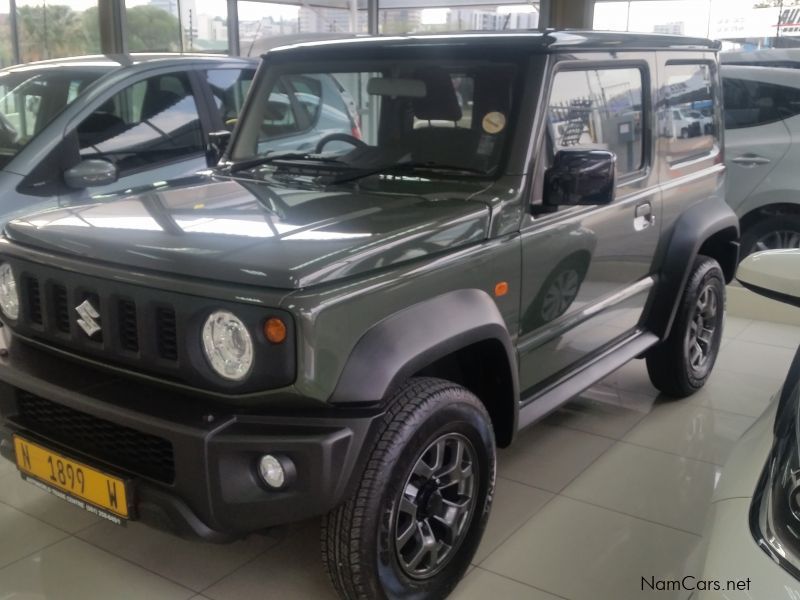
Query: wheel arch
<point x="459" y="335"/>
<point x="709" y="227"/>
<point x="764" y="211"/>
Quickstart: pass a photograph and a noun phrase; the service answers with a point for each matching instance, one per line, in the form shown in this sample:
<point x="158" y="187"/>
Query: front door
<point x="586" y="269"/>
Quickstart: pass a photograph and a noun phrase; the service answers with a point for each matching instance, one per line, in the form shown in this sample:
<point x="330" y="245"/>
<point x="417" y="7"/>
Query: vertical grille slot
<point x="166" y="333"/>
<point x="34" y="300"/>
<point x="128" y="326"/>
<point x="60" y="307"/>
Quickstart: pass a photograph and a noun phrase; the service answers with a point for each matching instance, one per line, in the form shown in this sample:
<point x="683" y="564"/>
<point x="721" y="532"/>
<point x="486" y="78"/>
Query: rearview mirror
<point x="580" y="177"/>
<point x="93" y="172"/>
<point x="774" y="274"/>
<point x="217" y="144"/>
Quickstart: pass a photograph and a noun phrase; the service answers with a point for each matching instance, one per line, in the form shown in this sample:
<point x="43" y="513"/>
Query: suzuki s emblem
<point x="88" y="314"/>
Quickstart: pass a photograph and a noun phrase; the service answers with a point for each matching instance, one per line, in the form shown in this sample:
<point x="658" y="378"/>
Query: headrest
<point x="440" y="102"/>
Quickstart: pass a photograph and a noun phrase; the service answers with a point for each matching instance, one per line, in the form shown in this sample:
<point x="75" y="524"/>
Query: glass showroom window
<point x="473" y="18"/>
<point x="6" y="51"/>
<point x="153" y="26"/>
<point x="56" y="29"/>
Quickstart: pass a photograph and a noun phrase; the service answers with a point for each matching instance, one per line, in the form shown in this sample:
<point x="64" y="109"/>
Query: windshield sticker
<point x="494" y="122"/>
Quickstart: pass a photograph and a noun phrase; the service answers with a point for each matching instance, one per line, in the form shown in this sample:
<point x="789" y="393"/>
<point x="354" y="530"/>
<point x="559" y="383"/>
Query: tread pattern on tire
<point x="665" y="361"/>
<point x="341" y="528"/>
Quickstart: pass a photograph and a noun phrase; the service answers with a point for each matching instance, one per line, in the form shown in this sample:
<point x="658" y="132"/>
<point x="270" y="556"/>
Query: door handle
<point x="643" y="216"/>
<point x="750" y="160"/>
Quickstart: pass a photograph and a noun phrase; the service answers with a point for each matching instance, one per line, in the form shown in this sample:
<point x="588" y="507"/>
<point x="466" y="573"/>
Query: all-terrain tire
<point x="361" y="537"/>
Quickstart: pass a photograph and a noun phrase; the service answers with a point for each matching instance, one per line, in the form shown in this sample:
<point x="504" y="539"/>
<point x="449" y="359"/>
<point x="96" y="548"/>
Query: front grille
<point x="128" y="326"/>
<point x="136" y="329"/>
<point x="34" y="300"/>
<point x="134" y="451"/>
<point x="60" y="307"/>
<point x="167" y="333"/>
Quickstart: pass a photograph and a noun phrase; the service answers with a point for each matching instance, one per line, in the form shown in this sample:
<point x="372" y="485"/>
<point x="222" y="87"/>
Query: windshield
<point x="446" y="117"/>
<point x="30" y="99"/>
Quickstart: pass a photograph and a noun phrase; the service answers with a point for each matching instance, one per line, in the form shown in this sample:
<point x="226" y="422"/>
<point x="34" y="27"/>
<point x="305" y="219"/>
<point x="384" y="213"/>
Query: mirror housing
<point x="92" y="172"/>
<point x="580" y="177"/>
<point x="774" y="274"/>
<point x="217" y="144"/>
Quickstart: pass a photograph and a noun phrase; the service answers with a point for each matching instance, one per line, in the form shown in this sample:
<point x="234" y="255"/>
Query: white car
<point x="762" y="127"/>
<point x="753" y="529"/>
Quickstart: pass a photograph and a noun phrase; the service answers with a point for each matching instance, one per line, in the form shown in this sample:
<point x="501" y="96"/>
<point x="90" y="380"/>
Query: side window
<point x="292" y="107"/>
<point x="686" y="111"/>
<point x="599" y="108"/>
<point x="151" y="122"/>
<point x="229" y="88"/>
<point x="753" y="103"/>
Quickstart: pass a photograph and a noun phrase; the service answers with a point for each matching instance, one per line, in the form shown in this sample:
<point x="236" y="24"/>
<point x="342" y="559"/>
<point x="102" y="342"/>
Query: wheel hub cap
<point x="435" y="506"/>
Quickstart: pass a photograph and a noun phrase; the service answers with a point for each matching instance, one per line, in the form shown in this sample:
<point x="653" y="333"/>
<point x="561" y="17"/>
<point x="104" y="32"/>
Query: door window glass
<point x="753" y="103"/>
<point x="150" y="122"/>
<point x="229" y="88"/>
<point x="686" y="111"/>
<point x="292" y="107"/>
<point x="599" y="108"/>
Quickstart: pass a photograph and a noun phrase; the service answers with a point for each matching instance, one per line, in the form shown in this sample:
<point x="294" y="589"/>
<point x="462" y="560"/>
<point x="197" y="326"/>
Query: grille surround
<point x="120" y="446"/>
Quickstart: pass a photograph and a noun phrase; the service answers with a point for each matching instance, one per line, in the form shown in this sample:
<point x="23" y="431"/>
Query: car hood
<point x="256" y="234"/>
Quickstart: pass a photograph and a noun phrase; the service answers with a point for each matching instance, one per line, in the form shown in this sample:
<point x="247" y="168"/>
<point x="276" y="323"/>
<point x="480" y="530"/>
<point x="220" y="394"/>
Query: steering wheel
<point x="339" y="137"/>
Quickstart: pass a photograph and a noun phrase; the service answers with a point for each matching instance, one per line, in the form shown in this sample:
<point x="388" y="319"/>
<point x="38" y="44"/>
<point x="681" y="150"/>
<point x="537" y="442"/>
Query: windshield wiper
<point x="271" y="158"/>
<point x="406" y="166"/>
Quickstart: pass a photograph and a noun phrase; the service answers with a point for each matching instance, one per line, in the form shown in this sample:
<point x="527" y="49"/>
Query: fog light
<point x="275" y="471"/>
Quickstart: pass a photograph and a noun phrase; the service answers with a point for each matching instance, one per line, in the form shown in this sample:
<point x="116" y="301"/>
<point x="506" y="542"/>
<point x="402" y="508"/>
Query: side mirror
<point x="93" y="172"/>
<point x="774" y="274"/>
<point x="580" y="177"/>
<point x="217" y="144"/>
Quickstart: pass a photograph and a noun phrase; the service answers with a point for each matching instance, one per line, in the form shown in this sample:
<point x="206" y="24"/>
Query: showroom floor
<point x="611" y="488"/>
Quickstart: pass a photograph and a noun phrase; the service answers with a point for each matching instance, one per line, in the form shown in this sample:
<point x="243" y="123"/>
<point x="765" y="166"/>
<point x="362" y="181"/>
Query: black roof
<point x="551" y="40"/>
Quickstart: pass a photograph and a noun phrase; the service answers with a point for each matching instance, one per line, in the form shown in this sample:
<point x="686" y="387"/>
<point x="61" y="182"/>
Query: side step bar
<point x="565" y="388"/>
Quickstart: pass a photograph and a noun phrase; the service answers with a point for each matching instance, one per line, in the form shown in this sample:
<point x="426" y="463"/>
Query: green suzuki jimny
<point x="350" y="329"/>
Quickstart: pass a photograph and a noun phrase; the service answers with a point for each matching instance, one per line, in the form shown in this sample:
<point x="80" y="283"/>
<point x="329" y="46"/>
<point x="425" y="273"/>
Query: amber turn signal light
<point x="501" y="289"/>
<point x="275" y="330"/>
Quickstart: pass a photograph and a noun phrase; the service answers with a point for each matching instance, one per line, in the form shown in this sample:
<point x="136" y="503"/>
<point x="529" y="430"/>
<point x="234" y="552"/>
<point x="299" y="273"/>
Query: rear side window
<point x="753" y="103"/>
<point x="229" y="88"/>
<point x="599" y="108"/>
<point x="686" y="112"/>
<point x="151" y="122"/>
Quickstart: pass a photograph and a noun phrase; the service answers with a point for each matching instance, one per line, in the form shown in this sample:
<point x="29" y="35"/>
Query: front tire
<point x="772" y="233"/>
<point x="419" y="512"/>
<point x="681" y="364"/>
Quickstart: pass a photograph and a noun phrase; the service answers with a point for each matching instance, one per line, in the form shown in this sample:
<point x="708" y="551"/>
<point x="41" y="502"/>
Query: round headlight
<point x="9" y="299"/>
<point x="228" y="345"/>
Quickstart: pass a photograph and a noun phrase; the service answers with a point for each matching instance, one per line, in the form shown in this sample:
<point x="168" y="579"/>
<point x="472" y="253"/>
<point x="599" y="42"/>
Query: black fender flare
<point x="402" y="344"/>
<point x="690" y="232"/>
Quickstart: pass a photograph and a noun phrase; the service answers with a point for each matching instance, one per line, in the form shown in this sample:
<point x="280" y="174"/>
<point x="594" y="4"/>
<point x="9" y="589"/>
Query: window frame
<point x="216" y="121"/>
<point x="647" y="108"/>
<point x="716" y="98"/>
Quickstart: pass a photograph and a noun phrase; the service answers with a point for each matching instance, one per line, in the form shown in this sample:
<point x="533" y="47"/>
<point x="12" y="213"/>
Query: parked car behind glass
<point x="81" y="128"/>
<point x="762" y="120"/>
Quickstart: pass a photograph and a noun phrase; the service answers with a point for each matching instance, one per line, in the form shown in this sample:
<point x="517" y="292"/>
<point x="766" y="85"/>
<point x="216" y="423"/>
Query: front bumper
<point x="192" y="462"/>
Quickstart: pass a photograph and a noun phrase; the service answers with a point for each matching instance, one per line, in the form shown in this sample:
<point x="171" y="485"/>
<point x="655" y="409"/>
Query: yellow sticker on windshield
<point x="494" y="122"/>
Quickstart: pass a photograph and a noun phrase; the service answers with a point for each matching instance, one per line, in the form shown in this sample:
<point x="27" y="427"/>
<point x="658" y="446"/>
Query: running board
<point x="570" y="385"/>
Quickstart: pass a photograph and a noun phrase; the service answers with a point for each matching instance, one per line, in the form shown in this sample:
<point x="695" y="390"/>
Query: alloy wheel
<point x="435" y="506"/>
<point x="702" y="328"/>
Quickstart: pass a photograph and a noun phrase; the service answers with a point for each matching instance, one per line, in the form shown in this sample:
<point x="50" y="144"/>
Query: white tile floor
<point x="611" y="487"/>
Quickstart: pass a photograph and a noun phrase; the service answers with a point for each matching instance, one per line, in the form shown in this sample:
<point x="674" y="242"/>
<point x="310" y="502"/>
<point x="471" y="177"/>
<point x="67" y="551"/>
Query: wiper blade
<point x="406" y="166"/>
<point x="270" y="158"/>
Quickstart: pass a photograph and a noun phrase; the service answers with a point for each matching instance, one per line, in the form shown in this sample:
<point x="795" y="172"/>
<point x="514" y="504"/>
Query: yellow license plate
<point x="75" y="479"/>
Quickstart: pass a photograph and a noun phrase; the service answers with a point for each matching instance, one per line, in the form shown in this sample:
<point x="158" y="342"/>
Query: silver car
<point x="762" y="126"/>
<point x="73" y="130"/>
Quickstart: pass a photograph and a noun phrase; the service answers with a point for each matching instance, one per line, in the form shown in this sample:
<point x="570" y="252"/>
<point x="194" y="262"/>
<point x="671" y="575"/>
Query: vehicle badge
<point x="88" y="314"/>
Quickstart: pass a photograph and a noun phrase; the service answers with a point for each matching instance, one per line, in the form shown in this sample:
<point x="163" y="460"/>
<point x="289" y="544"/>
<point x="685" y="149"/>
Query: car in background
<point x="782" y="58"/>
<point x="752" y="549"/>
<point x="762" y="125"/>
<point x="81" y="128"/>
